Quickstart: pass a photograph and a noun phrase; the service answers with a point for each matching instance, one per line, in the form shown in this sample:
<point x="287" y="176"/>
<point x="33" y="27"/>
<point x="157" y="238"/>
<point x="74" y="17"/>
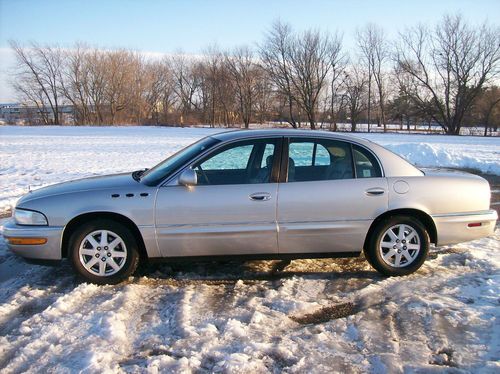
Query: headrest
<point x="337" y="151"/>
<point x="269" y="161"/>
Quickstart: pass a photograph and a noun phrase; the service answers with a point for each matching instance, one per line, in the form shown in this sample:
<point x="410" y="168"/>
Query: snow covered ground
<point x="38" y="156"/>
<point x="242" y="318"/>
<point x="315" y="316"/>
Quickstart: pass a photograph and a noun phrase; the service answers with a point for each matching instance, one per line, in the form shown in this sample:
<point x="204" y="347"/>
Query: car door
<point x="331" y="193"/>
<point x="232" y="208"/>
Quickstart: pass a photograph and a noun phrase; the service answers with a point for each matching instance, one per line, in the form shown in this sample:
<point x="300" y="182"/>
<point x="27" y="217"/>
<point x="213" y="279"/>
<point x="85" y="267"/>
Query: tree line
<point x="445" y="75"/>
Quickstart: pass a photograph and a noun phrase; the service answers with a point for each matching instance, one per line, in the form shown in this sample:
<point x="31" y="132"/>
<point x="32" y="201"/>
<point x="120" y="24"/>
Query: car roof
<point x="261" y="133"/>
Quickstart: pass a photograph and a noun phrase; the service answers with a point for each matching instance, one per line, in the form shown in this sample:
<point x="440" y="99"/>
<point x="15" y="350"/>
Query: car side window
<point x="301" y="153"/>
<point x="319" y="160"/>
<point x="230" y="159"/>
<point x="244" y="162"/>
<point x="365" y="163"/>
<point x="321" y="156"/>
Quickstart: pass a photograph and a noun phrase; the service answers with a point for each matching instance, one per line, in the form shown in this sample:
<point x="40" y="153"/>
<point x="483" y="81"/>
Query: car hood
<point x="86" y="184"/>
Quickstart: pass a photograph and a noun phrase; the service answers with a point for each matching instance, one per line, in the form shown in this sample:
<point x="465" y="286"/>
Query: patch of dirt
<point x="141" y="358"/>
<point x="444" y="357"/>
<point x="326" y="314"/>
<point x="443" y="251"/>
<point x="5" y="214"/>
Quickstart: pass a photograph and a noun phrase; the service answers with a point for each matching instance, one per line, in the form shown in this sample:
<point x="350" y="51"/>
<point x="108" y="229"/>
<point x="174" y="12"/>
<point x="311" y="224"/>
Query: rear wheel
<point x="103" y="252"/>
<point x="398" y="245"/>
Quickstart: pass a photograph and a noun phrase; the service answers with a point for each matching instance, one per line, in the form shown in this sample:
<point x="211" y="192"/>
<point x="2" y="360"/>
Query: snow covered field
<point x="38" y="156"/>
<point x="315" y="316"/>
<point x="242" y="318"/>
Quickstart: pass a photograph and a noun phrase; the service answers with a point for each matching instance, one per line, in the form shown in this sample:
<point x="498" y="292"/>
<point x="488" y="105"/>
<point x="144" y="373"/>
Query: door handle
<point x="375" y="191"/>
<point x="260" y="196"/>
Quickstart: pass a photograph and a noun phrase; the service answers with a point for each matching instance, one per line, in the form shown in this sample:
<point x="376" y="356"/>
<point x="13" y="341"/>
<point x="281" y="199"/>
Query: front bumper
<point x="454" y="228"/>
<point x="51" y="250"/>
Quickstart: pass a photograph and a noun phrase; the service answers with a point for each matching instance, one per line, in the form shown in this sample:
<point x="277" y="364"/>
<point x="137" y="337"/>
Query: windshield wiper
<point x="138" y="173"/>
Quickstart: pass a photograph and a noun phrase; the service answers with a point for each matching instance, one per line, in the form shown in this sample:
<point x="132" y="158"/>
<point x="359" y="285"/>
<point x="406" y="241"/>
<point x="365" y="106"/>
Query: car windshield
<point x="167" y="167"/>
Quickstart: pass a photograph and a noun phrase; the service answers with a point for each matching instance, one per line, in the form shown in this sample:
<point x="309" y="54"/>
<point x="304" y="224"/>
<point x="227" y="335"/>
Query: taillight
<point x="474" y="224"/>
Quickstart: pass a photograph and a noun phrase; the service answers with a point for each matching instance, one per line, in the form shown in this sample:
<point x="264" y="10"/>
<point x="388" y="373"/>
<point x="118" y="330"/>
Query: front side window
<point x="231" y="159"/>
<point x="167" y="167"/>
<point x="245" y="162"/>
<point x="318" y="160"/>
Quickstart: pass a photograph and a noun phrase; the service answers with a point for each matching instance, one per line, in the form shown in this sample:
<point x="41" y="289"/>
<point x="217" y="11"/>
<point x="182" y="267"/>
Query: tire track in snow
<point x="207" y="320"/>
<point x="96" y="321"/>
<point x="427" y="322"/>
<point x="41" y="330"/>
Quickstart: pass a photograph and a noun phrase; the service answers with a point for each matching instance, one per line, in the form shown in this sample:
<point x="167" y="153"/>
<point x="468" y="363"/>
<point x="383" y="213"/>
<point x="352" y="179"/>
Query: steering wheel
<point x="204" y="174"/>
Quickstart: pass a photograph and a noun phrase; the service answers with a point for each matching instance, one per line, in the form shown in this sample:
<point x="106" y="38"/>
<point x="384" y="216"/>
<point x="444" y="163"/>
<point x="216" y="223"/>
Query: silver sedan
<point x="261" y="194"/>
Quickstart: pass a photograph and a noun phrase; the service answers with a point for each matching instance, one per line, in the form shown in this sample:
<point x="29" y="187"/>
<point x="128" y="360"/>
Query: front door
<point x="231" y="210"/>
<point x="333" y="192"/>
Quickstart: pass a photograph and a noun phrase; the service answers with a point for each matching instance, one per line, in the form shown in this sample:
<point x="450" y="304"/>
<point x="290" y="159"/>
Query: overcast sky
<point x="168" y="26"/>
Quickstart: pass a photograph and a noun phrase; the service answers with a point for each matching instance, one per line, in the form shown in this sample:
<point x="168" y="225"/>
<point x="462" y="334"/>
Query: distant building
<point x="21" y="114"/>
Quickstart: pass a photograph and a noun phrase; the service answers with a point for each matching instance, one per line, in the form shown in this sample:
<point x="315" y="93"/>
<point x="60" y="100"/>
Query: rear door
<point x="330" y="193"/>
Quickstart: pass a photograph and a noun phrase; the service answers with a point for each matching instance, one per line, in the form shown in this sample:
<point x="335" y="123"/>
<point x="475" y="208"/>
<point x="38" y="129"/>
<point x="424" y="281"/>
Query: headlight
<point x="29" y="217"/>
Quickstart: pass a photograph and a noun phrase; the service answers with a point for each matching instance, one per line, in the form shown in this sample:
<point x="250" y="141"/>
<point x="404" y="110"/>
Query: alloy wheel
<point x="102" y="253"/>
<point x="400" y="245"/>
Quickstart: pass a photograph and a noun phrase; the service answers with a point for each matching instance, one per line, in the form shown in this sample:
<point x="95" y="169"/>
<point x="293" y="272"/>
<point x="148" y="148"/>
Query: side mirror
<point x="188" y="178"/>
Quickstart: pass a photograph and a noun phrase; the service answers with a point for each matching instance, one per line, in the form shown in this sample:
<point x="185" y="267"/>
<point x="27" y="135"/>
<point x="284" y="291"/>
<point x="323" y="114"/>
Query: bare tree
<point x="299" y="65"/>
<point x="313" y="55"/>
<point x="218" y="87"/>
<point x="375" y="55"/>
<point x="439" y="75"/>
<point x="448" y="67"/>
<point x="187" y="83"/>
<point x="244" y="72"/>
<point x="38" y="74"/>
<point x="275" y="57"/>
<point x="120" y="67"/>
<point x="334" y="100"/>
<point x="74" y="79"/>
<point x="95" y="84"/>
<point x="356" y="83"/>
<point x="263" y="95"/>
<point x="159" y="91"/>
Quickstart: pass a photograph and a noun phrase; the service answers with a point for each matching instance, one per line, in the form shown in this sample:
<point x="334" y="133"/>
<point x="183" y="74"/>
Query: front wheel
<point x="103" y="252"/>
<point x="397" y="246"/>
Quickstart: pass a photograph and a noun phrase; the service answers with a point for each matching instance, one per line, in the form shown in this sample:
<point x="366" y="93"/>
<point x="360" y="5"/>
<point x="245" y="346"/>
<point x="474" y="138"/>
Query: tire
<point x="393" y="252"/>
<point x="97" y="262"/>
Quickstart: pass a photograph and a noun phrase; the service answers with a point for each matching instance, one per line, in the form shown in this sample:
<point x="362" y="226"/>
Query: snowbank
<point x="465" y="152"/>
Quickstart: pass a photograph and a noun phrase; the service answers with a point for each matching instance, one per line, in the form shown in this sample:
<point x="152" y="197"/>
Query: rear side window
<point x="365" y="163"/>
<point x="319" y="160"/>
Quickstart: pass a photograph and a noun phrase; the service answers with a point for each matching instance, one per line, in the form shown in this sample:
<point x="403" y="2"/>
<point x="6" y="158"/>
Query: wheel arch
<point x="86" y="217"/>
<point x="423" y="217"/>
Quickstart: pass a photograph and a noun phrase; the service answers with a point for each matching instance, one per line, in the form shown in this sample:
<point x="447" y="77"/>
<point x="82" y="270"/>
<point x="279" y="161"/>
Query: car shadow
<point x="211" y="272"/>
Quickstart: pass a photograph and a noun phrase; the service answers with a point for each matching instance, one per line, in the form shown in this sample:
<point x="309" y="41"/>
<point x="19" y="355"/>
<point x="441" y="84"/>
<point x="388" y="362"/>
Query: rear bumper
<point x="454" y="228"/>
<point x="51" y="250"/>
